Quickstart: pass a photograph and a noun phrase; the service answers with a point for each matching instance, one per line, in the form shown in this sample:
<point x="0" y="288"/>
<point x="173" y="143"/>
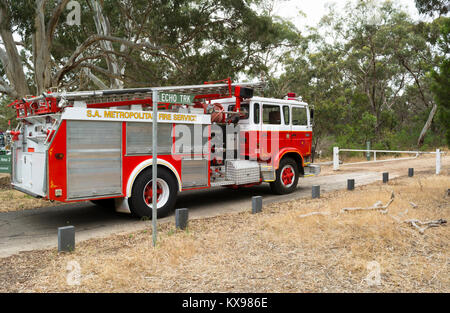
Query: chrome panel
<point x="194" y="173"/>
<point x="312" y="169"/>
<point x="139" y="138"/>
<point x="93" y="159"/>
<point x="267" y="173"/>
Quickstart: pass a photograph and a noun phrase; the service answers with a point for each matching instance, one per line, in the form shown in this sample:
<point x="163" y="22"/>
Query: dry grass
<point x="275" y="251"/>
<point x="13" y="200"/>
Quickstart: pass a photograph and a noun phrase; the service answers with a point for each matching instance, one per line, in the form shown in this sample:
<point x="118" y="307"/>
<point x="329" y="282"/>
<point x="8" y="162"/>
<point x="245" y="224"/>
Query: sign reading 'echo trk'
<point x="175" y="98"/>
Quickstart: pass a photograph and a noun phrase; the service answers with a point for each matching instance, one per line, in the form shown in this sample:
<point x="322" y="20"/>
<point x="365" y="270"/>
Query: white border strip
<point x="84" y="114"/>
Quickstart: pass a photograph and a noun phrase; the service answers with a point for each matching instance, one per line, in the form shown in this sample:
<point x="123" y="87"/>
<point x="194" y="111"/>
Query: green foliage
<point x="441" y="82"/>
<point x="372" y="81"/>
<point x="6" y="114"/>
<point x="431" y="7"/>
<point x="199" y="40"/>
<point x="372" y="73"/>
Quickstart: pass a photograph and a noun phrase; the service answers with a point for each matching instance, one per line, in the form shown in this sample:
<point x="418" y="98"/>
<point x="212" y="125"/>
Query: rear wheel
<point x="286" y="177"/>
<point x="142" y="194"/>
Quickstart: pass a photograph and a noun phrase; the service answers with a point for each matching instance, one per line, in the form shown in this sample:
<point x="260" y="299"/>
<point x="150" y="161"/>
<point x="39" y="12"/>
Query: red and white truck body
<point x="97" y="146"/>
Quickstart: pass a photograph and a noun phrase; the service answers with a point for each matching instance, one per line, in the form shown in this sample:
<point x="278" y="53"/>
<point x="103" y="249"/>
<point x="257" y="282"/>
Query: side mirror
<point x="311" y="115"/>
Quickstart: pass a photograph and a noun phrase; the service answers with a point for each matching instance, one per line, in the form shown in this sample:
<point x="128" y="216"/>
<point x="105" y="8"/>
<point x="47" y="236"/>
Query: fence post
<point x="438" y="161"/>
<point x="335" y="158"/>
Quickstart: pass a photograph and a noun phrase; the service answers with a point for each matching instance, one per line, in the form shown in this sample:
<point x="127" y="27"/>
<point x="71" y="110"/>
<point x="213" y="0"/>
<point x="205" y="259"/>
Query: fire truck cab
<point x="97" y="145"/>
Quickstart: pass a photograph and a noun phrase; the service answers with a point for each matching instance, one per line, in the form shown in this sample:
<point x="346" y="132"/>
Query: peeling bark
<point x="11" y="60"/>
<point x="103" y="28"/>
<point x="42" y="41"/>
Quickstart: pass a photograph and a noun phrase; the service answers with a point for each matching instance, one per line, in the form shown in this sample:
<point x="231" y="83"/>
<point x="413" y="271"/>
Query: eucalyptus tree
<point x="370" y="65"/>
<point x="121" y="43"/>
<point x="440" y="76"/>
<point x="432" y="7"/>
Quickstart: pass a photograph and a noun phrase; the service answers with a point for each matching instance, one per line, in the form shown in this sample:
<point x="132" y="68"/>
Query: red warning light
<point x="291" y="95"/>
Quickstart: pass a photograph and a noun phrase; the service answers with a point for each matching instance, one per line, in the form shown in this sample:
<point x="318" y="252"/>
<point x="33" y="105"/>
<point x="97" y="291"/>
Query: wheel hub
<point x="287" y="176"/>
<point x="162" y="193"/>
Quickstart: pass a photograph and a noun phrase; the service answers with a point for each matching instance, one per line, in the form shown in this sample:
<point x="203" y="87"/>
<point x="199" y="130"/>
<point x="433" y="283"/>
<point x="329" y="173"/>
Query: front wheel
<point x="286" y="177"/>
<point x="142" y="194"/>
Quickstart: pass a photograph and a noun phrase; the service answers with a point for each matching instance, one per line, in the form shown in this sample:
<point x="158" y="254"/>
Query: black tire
<point x="105" y="203"/>
<point x="279" y="186"/>
<point x="137" y="202"/>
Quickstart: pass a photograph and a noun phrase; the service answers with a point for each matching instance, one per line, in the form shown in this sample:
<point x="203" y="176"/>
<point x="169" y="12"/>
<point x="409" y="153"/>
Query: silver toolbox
<point x="242" y="171"/>
<point x="194" y="173"/>
<point x="93" y="159"/>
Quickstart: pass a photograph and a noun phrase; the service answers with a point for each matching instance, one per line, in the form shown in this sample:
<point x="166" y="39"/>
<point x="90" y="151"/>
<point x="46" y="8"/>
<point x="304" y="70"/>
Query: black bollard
<point x="385" y="177"/>
<point x="350" y="184"/>
<point x="315" y="191"/>
<point x="66" y="238"/>
<point x="256" y="204"/>
<point x="181" y="218"/>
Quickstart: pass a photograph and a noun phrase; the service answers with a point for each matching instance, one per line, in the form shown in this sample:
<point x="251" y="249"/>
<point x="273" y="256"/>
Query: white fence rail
<point x="337" y="163"/>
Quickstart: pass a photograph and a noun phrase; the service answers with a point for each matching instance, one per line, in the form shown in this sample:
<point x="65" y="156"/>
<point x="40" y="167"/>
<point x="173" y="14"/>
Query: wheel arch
<point x="293" y="154"/>
<point x="148" y="164"/>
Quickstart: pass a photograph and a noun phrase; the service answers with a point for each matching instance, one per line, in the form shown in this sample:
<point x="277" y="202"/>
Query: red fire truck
<point x="97" y="145"/>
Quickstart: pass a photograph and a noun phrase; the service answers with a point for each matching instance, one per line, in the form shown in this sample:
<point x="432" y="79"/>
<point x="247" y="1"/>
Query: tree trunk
<point x="10" y="57"/>
<point x="41" y="50"/>
<point x="103" y="28"/>
<point x="426" y="126"/>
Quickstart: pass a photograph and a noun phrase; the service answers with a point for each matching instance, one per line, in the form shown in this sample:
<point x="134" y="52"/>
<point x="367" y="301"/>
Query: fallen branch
<point x="314" y="213"/>
<point x="427" y="224"/>
<point x="376" y="206"/>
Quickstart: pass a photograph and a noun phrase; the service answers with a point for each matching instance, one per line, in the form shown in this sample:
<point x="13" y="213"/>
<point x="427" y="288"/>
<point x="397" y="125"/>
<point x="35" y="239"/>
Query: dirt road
<point x="37" y="228"/>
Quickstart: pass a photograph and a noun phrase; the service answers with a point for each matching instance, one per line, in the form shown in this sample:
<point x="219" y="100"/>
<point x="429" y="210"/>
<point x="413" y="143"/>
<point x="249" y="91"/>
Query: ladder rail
<point x="188" y="89"/>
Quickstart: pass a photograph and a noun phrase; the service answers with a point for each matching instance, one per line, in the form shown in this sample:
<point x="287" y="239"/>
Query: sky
<point x="315" y="9"/>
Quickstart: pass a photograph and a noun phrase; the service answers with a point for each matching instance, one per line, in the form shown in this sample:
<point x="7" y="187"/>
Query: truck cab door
<point x="301" y="132"/>
<point x="286" y="128"/>
<point x="272" y="131"/>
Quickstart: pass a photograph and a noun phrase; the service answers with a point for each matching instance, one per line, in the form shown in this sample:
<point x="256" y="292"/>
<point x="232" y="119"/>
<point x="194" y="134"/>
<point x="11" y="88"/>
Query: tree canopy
<point x="371" y="71"/>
